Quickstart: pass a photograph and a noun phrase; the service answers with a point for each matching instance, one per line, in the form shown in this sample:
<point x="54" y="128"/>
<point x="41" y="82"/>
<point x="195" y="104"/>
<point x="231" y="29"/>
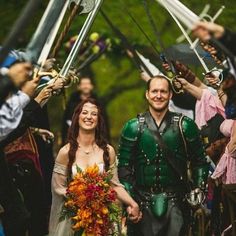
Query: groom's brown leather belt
<point x="155" y="190"/>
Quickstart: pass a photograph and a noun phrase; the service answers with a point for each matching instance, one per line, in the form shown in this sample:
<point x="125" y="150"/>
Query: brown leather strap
<point x="152" y="126"/>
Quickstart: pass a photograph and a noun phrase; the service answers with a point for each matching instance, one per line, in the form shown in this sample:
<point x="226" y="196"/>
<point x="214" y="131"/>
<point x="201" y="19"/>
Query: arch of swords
<point x="48" y="37"/>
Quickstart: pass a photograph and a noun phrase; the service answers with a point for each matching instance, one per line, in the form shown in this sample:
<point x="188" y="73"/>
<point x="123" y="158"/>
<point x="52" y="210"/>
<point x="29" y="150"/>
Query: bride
<point x="86" y="147"/>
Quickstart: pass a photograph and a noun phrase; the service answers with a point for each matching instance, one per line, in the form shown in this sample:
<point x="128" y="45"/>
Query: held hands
<point x="134" y="213"/>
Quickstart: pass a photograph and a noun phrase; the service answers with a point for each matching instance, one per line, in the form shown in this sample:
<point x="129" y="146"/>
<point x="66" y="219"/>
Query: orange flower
<point x="89" y="202"/>
<point x="92" y="170"/>
<point x="69" y="203"/>
<point x="100" y="221"/>
<point x="86" y="213"/>
<point x="105" y="210"/>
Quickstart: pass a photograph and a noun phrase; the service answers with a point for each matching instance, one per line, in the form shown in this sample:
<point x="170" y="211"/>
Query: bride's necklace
<point x="87" y="151"/>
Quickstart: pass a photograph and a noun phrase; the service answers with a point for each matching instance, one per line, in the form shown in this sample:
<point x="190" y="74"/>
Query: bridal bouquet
<point x="90" y="203"/>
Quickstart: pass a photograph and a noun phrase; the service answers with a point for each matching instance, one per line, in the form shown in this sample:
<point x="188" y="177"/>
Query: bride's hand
<point x="134" y="213"/>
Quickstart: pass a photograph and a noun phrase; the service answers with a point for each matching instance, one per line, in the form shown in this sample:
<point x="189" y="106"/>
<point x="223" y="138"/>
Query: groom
<point x="154" y="154"/>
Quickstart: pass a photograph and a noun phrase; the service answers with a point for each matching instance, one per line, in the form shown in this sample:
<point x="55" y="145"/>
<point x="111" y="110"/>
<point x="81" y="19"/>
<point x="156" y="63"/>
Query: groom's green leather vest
<point x="143" y="163"/>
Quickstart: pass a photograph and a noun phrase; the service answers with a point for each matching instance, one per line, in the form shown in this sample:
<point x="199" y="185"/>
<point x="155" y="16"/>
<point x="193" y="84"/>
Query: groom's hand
<point x="134" y="214"/>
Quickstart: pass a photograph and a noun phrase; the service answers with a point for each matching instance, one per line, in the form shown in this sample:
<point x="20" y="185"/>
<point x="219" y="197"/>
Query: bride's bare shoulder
<point x="62" y="156"/>
<point x="112" y="154"/>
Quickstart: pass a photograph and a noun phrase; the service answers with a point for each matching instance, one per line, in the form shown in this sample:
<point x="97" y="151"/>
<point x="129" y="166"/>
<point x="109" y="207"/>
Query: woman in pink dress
<point x="226" y="168"/>
<point x="207" y="106"/>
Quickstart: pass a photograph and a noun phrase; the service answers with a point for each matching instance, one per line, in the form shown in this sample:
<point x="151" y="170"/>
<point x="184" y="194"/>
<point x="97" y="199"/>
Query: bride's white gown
<point x="59" y="186"/>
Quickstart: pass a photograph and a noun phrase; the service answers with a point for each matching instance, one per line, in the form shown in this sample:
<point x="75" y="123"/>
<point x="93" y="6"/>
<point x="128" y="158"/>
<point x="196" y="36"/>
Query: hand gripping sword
<point x="87" y="6"/>
<point x="171" y="74"/>
<point x="188" y="18"/>
<point x="79" y="41"/>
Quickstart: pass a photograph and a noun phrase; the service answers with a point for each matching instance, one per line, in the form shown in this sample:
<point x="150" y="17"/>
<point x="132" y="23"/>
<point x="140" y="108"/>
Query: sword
<point x="50" y="40"/>
<point x="189" y="22"/>
<point x="137" y="61"/>
<point x="201" y="15"/>
<point x="87" y="6"/>
<point x="171" y="74"/>
<point x="47" y="22"/>
<point x="18" y="28"/>
<point x="77" y="45"/>
<point x="80" y="39"/>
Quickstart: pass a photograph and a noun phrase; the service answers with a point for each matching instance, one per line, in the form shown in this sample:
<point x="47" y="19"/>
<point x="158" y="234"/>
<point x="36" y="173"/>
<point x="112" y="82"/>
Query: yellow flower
<point x="76" y="218"/>
<point x="69" y="203"/>
<point x="86" y="213"/>
<point x="104" y="210"/>
<point x="96" y="49"/>
<point x="100" y="221"/>
<point x="77" y="226"/>
<point x="92" y="170"/>
<point x="94" y="36"/>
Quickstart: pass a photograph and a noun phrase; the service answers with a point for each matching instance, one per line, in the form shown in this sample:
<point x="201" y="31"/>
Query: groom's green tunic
<point x="143" y="166"/>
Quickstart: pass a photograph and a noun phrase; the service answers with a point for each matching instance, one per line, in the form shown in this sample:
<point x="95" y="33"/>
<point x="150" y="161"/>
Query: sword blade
<point x="80" y="39"/>
<point x="136" y="59"/>
<point x="18" y="27"/>
<point x="51" y="38"/>
<point x="186" y="36"/>
<point x="44" y="28"/>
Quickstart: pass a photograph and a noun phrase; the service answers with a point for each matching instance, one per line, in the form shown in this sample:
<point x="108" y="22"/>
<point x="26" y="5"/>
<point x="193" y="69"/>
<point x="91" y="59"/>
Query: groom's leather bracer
<point x="142" y="163"/>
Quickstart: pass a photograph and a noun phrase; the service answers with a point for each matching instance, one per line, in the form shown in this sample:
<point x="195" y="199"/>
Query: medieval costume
<point x="226" y="172"/>
<point x="23" y="161"/>
<point x="155" y="171"/>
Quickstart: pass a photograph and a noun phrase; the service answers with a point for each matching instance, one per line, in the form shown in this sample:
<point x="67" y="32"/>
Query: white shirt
<point x="11" y="113"/>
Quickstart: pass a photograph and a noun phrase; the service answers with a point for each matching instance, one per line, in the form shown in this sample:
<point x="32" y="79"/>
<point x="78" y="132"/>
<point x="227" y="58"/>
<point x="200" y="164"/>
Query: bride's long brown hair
<point x="100" y="131"/>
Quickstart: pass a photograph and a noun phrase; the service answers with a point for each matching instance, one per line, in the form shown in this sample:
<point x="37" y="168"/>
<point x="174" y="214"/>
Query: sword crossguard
<point x="71" y="79"/>
<point x="216" y="73"/>
<point x="38" y="73"/>
<point x="176" y="85"/>
<point x="52" y="74"/>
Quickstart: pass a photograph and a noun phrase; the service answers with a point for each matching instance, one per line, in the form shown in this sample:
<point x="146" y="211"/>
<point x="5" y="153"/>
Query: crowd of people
<point x="175" y="163"/>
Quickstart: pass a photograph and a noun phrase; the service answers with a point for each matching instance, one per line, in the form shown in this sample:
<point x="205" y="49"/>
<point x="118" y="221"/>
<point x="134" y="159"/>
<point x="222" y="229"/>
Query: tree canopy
<point x="117" y="79"/>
